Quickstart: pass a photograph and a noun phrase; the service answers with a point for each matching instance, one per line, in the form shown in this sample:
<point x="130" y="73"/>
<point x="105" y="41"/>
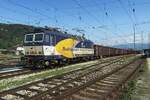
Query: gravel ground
<point x="142" y="91"/>
<point x="8" y="60"/>
<point x="25" y="79"/>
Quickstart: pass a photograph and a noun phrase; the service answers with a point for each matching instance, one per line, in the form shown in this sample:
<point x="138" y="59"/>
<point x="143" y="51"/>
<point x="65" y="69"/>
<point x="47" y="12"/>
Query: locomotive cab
<point x="39" y="48"/>
<point x="39" y="44"/>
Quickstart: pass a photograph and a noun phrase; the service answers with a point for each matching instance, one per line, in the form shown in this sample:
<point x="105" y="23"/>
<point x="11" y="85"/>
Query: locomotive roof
<point x="58" y="33"/>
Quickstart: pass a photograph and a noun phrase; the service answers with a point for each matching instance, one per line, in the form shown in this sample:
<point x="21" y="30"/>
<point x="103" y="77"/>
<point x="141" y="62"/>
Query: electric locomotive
<point x="46" y="46"/>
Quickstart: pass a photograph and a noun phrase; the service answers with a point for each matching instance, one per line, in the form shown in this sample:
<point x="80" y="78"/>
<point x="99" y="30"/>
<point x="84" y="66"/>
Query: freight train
<point x="46" y="46"/>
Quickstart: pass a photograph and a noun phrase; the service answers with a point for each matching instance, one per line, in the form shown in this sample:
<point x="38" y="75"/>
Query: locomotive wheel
<point x="47" y="63"/>
<point x="40" y="65"/>
<point x="60" y="63"/>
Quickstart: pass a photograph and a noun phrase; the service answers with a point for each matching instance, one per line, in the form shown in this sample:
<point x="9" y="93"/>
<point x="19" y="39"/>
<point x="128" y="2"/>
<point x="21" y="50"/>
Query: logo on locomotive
<point x="65" y="47"/>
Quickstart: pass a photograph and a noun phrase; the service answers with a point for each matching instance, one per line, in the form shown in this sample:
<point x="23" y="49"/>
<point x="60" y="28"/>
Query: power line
<point x="108" y="15"/>
<point x="55" y="10"/>
<point x="78" y="7"/>
<point x="132" y="21"/>
<point x="21" y="13"/>
<point x="79" y="16"/>
<point x="130" y="17"/>
<point x="27" y="8"/>
<point x="32" y="10"/>
<point x="10" y="20"/>
<point x="89" y="13"/>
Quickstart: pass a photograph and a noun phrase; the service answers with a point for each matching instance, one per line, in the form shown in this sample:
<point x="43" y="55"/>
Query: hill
<point x="12" y="34"/>
<point x="138" y="46"/>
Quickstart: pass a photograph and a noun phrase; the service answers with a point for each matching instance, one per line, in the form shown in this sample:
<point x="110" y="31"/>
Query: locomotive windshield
<point x="34" y="37"/>
<point x="38" y="37"/>
<point x="29" y="38"/>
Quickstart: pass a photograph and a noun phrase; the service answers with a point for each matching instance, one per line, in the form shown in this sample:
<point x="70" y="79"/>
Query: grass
<point x="130" y="90"/>
<point x="22" y="80"/>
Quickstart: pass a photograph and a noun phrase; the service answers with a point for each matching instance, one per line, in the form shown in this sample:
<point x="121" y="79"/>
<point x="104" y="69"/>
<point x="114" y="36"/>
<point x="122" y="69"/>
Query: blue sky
<point x="105" y="22"/>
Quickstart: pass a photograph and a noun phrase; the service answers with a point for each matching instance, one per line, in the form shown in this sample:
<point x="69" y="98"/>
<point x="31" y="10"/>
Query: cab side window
<point x="47" y="38"/>
<point x="83" y="45"/>
<point x="53" y="40"/>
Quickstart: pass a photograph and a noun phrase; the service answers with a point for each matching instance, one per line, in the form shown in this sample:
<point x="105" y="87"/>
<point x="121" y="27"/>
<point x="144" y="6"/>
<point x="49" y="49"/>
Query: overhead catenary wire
<point x="38" y="22"/>
<point x="79" y="17"/>
<point x="55" y="11"/>
<point x="21" y="13"/>
<point x="89" y="13"/>
<point x="105" y="12"/>
<point x="126" y="11"/>
<point x="108" y="15"/>
<point x="132" y="21"/>
<point x="134" y="15"/>
<point x="11" y="20"/>
<point x="29" y="9"/>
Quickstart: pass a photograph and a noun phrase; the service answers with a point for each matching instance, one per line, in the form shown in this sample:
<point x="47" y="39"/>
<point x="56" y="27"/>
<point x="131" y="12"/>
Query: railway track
<point x="59" y="86"/>
<point x="9" y="62"/>
<point x="25" y="71"/>
<point x="108" y="88"/>
<point x="10" y="74"/>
